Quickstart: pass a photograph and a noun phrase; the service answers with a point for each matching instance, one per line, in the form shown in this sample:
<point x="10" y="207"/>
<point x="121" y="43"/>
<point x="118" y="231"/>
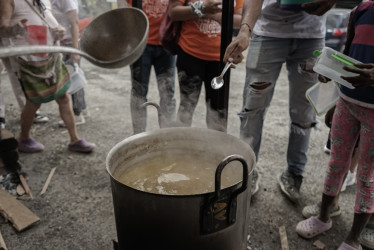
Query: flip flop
<point x="345" y="246"/>
<point x="312" y="227"/>
<point x="367" y="236"/>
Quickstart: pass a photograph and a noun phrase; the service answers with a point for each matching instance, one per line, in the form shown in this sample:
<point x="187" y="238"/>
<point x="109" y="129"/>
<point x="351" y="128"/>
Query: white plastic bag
<point x="77" y="77"/>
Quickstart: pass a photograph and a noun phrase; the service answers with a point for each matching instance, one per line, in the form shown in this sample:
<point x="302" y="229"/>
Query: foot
<point x="312" y="227"/>
<point x="2" y="122"/>
<point x="255" y="182"/>
<point x="326" y="150"/>
<point x="345" y="246"/>
<point x="30" y="146"/>
<point x="367" y="236"/>
<point x="40" y="118"/>
<point x="313" y="210"/>
<point x="290" y="185"/>
<point x="82" y="146"/>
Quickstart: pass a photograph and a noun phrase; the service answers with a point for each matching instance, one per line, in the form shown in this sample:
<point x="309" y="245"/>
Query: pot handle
<point x="219" y="170"/>
<point x="219" y="210"/>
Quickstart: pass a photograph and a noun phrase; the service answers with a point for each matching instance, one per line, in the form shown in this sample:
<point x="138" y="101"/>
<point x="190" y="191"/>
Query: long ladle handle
<point x="227" y="66"/>
<point x="24" y="50"/>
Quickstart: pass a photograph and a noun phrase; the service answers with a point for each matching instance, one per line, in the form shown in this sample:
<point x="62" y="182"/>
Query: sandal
<point x="313" y="210"/>
<point x="312" y="227"/>
<point x="30" y="146"/>
<point x="367" y="236"/>
<point x="345" y="246"/>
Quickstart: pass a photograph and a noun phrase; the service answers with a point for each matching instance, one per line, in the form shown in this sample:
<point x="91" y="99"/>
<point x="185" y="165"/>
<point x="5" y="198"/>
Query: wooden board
<point x="13" y="210"/>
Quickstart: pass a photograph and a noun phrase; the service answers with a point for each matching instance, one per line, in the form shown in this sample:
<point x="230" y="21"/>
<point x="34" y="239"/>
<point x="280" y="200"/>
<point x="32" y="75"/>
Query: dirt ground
<point x="76" y="212"/>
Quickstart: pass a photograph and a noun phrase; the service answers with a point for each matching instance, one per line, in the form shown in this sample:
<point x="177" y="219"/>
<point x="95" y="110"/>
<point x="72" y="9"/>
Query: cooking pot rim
<point x="167" y="130"/>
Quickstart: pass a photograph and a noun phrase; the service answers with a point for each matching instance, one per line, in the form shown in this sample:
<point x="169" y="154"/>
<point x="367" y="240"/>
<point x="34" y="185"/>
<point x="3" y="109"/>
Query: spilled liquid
<point x="179" y="174"/>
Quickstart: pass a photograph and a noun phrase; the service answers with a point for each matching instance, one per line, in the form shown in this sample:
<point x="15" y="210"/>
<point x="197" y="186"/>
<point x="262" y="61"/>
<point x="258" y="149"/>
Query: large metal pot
<point x="215" y="220"/>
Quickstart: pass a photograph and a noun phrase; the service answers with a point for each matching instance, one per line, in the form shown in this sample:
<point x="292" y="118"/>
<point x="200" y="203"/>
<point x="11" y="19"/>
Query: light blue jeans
<point x="266" y="56"/>
<point x="164" y="65"/>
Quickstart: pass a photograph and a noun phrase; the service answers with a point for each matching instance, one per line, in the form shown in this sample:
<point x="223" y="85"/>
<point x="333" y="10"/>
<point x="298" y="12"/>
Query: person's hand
<point x="328" y="117"/>
<point x="212" y="6"/>
<point x="216" y="17"/>
<point x="19" y="29"/>
<point x="365" y="75"/>
<point x="318" y="7"/>
<point x="58" y="32"/>
<point x="323" y="79"/>
<point x="236" y="47"/>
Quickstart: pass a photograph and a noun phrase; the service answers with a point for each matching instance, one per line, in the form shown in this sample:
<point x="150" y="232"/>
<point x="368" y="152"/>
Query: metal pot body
<point x="199" y="221"/>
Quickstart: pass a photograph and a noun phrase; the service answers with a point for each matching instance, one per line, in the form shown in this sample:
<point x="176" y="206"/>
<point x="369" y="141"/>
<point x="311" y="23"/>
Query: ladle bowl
<point x="114" y="39"/>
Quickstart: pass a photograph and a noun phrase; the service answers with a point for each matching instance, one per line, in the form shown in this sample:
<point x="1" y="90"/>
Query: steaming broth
<point x="179" y="174"/>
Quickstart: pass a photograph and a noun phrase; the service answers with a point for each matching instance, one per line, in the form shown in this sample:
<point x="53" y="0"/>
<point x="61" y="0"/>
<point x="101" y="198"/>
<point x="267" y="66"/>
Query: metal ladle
<point x="217" y="82"/>
<point x="114" y="39"/>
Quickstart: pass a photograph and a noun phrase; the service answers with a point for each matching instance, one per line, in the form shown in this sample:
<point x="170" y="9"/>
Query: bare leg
<point x="326" y="206"/>
<point x="27" y="119"/>
<point x="359" y="222"/>
<point x="67" y="115"/>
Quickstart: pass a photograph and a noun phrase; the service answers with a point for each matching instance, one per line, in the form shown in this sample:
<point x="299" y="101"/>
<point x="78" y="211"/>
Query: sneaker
<point x="2" y="122"/>
<point x="40" y="118"/>
<point x="349" y="180"/>
<point x="79" y="120"/>
<point x="85" y="112"/>
<point x="255" y="181"/>
<point x="82" y="146"/>
<point x="326" y="150"/>
<point x="290" y="185"/>
<point x="30" y="146"/>
<point x="313" y="210"/>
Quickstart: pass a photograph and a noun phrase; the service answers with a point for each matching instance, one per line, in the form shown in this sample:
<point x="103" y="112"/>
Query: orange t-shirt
<point x="201" y="37"/>
<point x="154" y="10"/>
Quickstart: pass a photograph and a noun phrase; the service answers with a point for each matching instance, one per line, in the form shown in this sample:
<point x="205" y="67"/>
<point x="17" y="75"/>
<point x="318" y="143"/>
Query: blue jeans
<point x="266" y="56"/>
<point x="164" y="65"/>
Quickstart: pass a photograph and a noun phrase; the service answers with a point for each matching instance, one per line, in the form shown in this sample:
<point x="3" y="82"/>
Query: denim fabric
<point x="265" y="58"/>
<point x="164" y="65"/>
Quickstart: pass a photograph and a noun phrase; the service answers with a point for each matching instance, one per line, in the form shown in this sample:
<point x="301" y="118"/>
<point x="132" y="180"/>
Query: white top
<point x="61" y="8"/>
<point x="38" y="28"/>
<point x="275" y="22"/>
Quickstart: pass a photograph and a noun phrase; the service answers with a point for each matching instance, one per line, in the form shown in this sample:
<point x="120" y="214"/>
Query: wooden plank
<point x="25" y="186"/>
<point x="48" y="181"/>
<point x="2" y="243"/>
<point x="14" y="211"/>
<point x="283" y="238"/>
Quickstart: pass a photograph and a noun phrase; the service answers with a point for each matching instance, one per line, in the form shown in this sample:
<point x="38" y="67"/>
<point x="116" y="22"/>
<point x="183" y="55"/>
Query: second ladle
<point x="112" y="40"/>
<point x="217" y="82"/>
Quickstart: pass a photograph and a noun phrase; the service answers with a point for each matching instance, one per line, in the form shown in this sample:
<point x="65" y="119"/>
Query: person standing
<point x="35" y="17"/>
<point x="280" y="36"/>
<point x="164" y="65"/>
<point x="198" y="59"/>
<point x="352" y="119"/>
<point x="66" y="13"/>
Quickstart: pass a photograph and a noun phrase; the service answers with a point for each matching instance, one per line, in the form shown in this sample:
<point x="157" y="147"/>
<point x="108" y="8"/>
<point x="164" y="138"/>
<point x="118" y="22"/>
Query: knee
<point x="63" y="100"/>
<point x="301" y="128"/>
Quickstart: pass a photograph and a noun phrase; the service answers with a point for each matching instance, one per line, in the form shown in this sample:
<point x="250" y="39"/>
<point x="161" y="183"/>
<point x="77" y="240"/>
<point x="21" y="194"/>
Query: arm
<point x="251" y="11"/>
<point x="180" y="12"/>
<point x="74" y="29"/>
<point x="236" y="18"/>
<point x="318" y="7"/>
<point x="6" y="12"/>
